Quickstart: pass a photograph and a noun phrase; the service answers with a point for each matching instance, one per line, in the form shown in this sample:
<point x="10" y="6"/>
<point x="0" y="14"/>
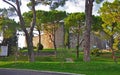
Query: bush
<point x="39" y="46"/>
<point x="34" y="47"/>
<point x="95" y="51"/>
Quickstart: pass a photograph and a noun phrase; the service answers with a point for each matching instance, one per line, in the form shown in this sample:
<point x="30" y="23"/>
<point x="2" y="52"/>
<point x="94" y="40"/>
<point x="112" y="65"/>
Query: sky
<point x="70" y="6"/>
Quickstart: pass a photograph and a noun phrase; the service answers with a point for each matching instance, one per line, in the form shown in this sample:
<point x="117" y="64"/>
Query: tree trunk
<point x="39" y="41"/>
<point x="68" y="44"/>
<point x="5" y="42"/>
<point x="39" y="36"/>
<point x="88" y="22"/>
<point x="77" y="47"/>
<point x="78" y="41"/>
<point x="67" y="39"/>
<point x="111" y="44"/>
<point x="29" y="35"/>
<point x="53" y="39"/>
<point x="55" y="47"/>
<point x="30" y="48"/>
<point x="54" y="42"/>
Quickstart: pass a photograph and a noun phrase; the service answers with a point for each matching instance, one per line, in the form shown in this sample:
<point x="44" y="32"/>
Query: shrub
<point x="39" y="46"/>
<point x="34" y="47"/>
<point x="95" y="51"/>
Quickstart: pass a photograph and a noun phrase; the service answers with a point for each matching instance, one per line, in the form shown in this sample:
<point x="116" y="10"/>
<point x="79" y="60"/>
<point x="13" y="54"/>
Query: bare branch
<point x="81" y="41"/>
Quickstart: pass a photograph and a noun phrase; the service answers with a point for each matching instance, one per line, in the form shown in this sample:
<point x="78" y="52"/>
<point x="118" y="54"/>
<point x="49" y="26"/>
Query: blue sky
<point x="70" y="6"/>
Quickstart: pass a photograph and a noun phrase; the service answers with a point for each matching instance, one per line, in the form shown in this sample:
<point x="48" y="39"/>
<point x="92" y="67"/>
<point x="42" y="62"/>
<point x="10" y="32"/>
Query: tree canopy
<point x="110" y="14"/>
<point x="53" y="3"/>
<point x="8" y="27"/>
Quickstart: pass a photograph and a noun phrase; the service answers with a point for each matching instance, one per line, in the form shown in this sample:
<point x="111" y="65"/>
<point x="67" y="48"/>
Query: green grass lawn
<point x="102" y="65"/>
<point x="91" y="68"/>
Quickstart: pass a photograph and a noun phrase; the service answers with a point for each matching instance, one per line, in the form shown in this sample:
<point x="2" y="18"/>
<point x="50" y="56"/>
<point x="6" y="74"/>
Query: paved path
<point x="30" y="72"/>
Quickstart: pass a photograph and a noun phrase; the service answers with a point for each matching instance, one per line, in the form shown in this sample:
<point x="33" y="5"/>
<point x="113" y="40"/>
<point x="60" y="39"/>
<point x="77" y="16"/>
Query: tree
<point x="88" y="23"/>
<point x="3" y="12"/>
<point x="52" y="23"/>
<point x="39" y="22"/>
<point x="96" y="23"/>
<point x="97" y="32"/>
<point x="28" y="34"/>
<point x="8" y="29"/>
<point x="110" y="14"/>
<point x="7" y="12"/>
<point x="75" y="23"/>
<point x="53" y="5"/>
<point x="39" y="27"/>
<point x="67" y="34"/>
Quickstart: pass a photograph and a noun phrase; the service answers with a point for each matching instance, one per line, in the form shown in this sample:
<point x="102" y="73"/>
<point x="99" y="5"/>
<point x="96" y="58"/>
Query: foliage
<point x="53" y="3"/>
<point x="46" y="21"/>
<point x="7" y="12"/>
<point x="52" y="24"/>
<point x="44" y="17"/>
<point x="99" y="1"/>
<point x="116" y="43"/>
<point x="74" y="23"/>
<point x="56" y="4"/>
<point x="39" y="19"/>
<point x="66" y="38"/>
<point x="52" y="20"/>
<point x="56" y="16"/>
<point x="74" y="19"/>
<point x="27" y="17"/>
<point x="110" y="14"/>
<point x="8" y="27"/>
<point x="97" y="23"/>
<point x="95" y="51"/>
